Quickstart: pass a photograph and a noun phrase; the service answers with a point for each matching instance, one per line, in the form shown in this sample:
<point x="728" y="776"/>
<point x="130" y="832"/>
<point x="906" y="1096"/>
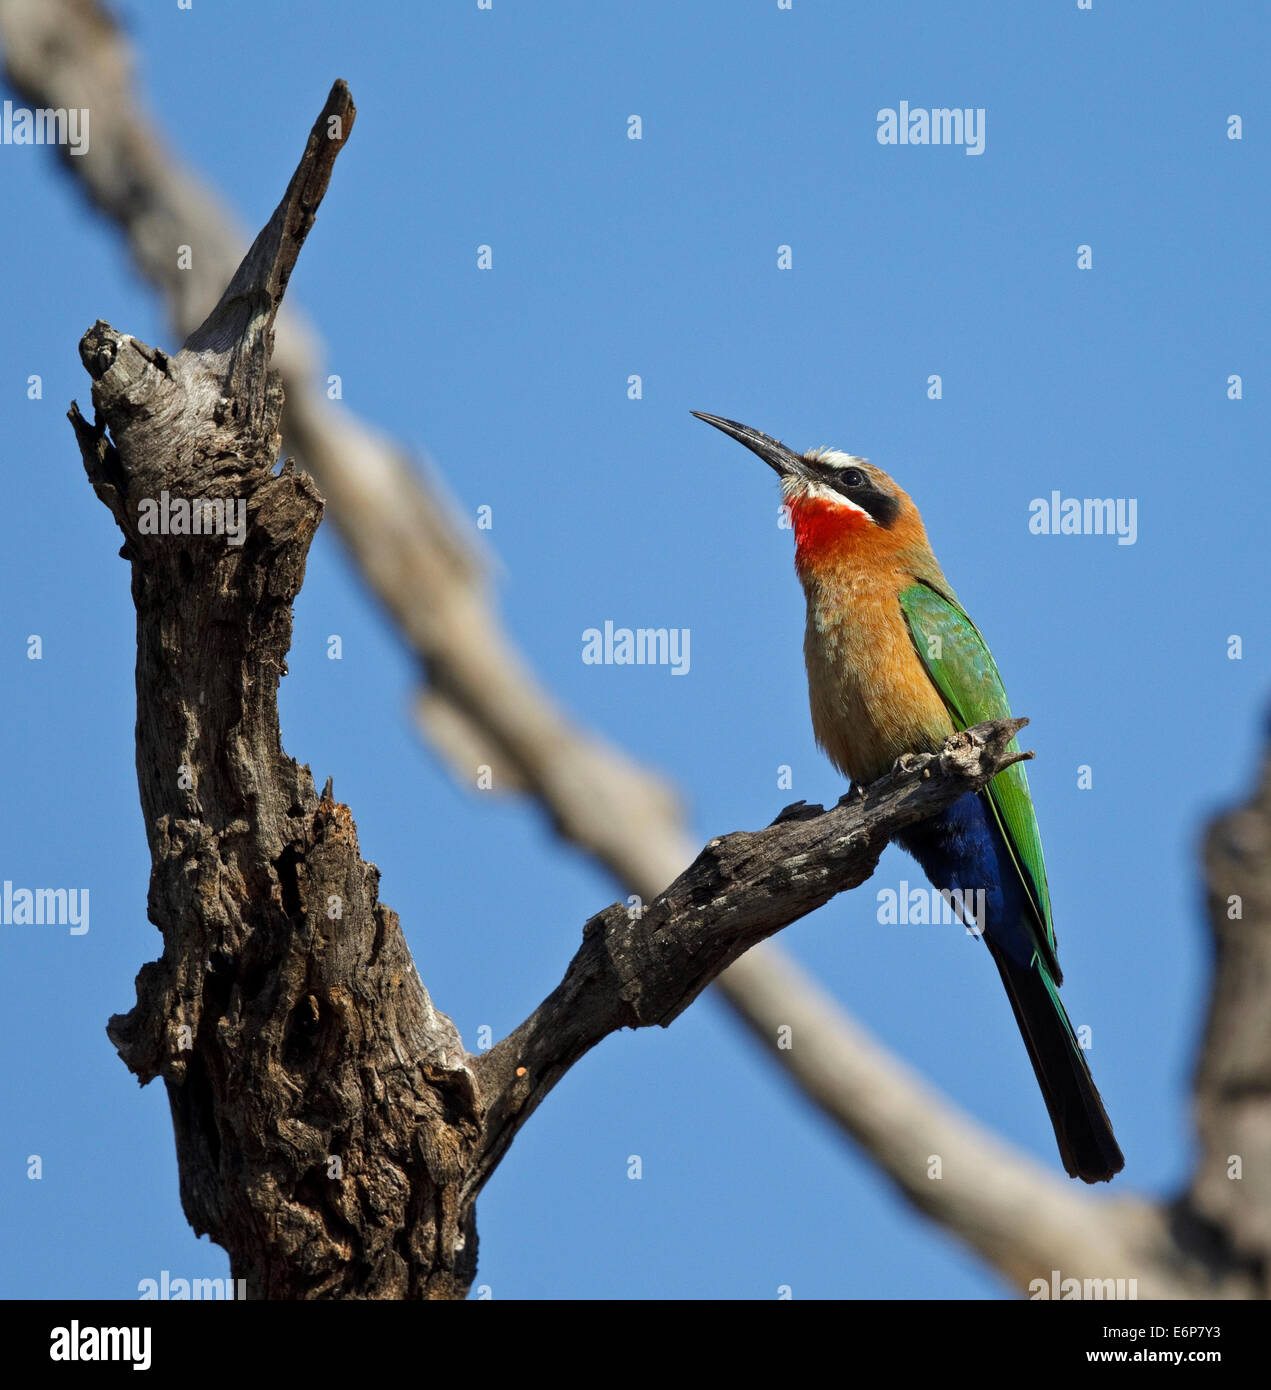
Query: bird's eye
<point x="851" y="477"/>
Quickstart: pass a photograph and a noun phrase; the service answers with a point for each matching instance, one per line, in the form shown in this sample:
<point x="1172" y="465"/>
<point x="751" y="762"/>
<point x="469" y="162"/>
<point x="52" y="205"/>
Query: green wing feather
<point x="962" y="669"/>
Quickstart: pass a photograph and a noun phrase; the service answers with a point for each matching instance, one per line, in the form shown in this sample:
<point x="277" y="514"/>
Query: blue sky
<point x="659" y="257"/>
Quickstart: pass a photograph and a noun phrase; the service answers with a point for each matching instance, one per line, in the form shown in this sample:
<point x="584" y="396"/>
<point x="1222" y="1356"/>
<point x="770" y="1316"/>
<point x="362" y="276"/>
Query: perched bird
<point x="894" y="667"/>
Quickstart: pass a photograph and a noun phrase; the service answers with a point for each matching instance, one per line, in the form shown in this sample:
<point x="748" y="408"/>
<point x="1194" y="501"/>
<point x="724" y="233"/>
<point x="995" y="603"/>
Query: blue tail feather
<point x="962" y="848"/>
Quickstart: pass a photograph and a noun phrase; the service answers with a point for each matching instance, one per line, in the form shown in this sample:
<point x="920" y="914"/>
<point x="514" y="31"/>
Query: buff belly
<point x="870" y="695"/>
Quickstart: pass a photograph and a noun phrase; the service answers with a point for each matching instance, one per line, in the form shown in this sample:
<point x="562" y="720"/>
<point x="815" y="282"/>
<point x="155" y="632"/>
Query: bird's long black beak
<point x="773" y="452"/>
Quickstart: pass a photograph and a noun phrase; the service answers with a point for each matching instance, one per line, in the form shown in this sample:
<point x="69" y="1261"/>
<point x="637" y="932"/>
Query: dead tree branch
<point x="321" y="1104"/>
<point x="643" y="967"/>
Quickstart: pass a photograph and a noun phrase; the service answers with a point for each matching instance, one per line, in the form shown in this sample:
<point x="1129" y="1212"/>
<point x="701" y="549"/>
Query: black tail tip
<point x="1099" y="1162"/>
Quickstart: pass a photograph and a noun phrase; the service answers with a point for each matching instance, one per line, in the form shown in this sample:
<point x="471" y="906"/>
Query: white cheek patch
<point x="796" y="489"/>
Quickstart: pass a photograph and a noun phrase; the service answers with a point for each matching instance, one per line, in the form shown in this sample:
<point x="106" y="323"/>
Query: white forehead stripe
<point x="834" y="458"/>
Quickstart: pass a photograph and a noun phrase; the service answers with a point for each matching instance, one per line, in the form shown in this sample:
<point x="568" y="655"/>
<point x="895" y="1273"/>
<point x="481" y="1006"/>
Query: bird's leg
<point x="854" y="792"/>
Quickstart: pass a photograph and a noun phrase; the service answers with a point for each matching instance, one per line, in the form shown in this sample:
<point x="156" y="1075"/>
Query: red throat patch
<point x="820" y="527"/>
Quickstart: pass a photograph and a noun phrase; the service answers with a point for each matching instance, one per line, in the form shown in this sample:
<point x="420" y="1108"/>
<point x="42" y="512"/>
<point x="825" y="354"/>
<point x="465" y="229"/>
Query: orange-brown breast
<point x="870" y="695"/>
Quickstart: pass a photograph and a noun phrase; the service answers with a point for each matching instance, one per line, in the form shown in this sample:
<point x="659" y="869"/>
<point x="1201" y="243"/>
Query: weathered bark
<point x="322" y="1107"/>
